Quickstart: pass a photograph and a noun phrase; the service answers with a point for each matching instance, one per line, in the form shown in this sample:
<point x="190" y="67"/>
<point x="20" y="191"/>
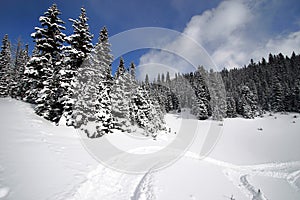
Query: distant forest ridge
<point x="272" y="85"/>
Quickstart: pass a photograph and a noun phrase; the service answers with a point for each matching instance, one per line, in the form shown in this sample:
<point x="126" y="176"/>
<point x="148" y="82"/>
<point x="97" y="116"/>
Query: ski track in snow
<point x="145" y="189"/>
<point x="105" y="183"/>
<point x="254" y="192"/>
<point x="293" y="178"/>
<point x="289" y="171"/>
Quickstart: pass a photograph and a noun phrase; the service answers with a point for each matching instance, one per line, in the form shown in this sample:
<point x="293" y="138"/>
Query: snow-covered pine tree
<point x="122" y="90"/>
<point x="146" y="112"/>
<point x="106" y="55"/>
<point x="132" y="70"/>
<point x="121" y="69"/>
<point x="5" y="67"/>
<point x="147" y="80"/>
<point x="158" y="79"/>
<point x="92" y="91"/>
<point x="199" y="108"/>
<point x="14" y="80"/>
<point x="49" y="38"/>
<point x="17" y="89"/>
<point x="43" y="68"/>
<point x="231" y="107"/>
<point x="247" y="105"/>
<point x="200" y="104"/>
<point x="277" y="96"/>
<point x="80" y="41"/>
<point x="218" y="96"/>
<point x="80" y="47"/>
<point x="37" y="70"/>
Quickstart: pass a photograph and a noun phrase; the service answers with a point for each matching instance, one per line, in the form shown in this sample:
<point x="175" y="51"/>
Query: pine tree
<point x="5" y="67"/>
<point x="168" y="79"/>
<point x="277" y="96"/>
<point x="162" y="77"/>
<point x="247" y="106"/>
<point x="92" y="91"/>
<point x="18" y="89"/>
<point x="218" y="96"/>
<point x="49" y="39"/>
<point x="231" y="107"/>
<point x="199" y="109"/>
<point x="146" y="79"/>
<point x="92" y="108"/>
<point x="80" y="47"/>
<point x="202" y="95"/>
<point x="146" y="112"/>
<point x="122" y="90"/>
<point x="121" y="69"/>
<point x="132" y="70"/>
<point x="158" y="79"/>
<point x="43" y="68"/>
<point x="80" y="41"/>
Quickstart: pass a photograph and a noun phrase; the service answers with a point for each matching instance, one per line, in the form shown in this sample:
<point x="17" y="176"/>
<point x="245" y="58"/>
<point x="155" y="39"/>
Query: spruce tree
<point x="247" y="105"/>
<point x="121" y="69"/>
<point x="146" y="112"/>
<point x="80" y="41"/>
<point x="80" y="47"/>
<point x="43" y="68"/>
<point x="146" y="79"/>
<point x="92" y="91"/>
<point x="18" y="89"/>
<point x="277" y="96"/>
<point x="132" y="71"/>
<point x="5" y="67"/>
<point x="122" y="90"/>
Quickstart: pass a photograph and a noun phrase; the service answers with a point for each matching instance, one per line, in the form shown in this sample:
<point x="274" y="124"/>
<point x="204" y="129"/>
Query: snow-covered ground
<point x="39" y="160"/>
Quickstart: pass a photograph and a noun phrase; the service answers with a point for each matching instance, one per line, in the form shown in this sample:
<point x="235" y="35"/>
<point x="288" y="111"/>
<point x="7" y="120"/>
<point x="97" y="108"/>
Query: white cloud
<point x="232" y="33"/>
<point x="282" y="44"/>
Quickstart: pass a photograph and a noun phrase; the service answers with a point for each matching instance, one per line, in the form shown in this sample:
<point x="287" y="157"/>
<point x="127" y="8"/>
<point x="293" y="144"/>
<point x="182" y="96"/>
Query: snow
<point x="4" y="192"/>
<point x="39" y="160"/>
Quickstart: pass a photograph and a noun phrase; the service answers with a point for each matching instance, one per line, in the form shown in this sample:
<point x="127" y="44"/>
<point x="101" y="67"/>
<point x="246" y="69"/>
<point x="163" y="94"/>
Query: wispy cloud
<point x="232" y="33"/>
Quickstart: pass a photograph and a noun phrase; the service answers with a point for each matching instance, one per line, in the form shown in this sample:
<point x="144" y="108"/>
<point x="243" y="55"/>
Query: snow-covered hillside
<point x="253" y="159"/>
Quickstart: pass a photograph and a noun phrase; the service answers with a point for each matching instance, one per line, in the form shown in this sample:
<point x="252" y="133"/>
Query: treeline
<point x="272" y="85"/>
<point x="200" y="91"/>
<point x="69" y="80"/>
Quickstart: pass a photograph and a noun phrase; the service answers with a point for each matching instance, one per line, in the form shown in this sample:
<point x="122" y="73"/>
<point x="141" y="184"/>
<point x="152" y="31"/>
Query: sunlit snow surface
<point x="39" y="160"/>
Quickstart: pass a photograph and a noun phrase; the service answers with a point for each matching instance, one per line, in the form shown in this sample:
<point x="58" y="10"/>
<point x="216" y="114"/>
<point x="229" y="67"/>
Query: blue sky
<point x="266" y="25"/>
<point x="18" y="17"/>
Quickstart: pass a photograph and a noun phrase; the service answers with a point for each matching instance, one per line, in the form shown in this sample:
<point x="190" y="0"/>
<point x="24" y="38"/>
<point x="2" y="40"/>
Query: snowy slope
<point x="38" y="160"/>
<point x="41" y="161"/>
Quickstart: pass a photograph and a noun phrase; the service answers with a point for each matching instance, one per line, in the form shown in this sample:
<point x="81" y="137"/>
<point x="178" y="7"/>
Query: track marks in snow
<point x="144" y="189"/>
<point x="289" y="171"/>
<point x="294" y="180"/>
<point x="107" y="184"/>
<point x="255" y="193"/>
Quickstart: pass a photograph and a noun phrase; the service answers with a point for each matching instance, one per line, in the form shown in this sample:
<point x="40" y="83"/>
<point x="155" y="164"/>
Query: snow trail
<point x="256" y="194"/>
<point x="145" y="189"/>
<point x="289" y="171"/>
<point x="294" y="180"/>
